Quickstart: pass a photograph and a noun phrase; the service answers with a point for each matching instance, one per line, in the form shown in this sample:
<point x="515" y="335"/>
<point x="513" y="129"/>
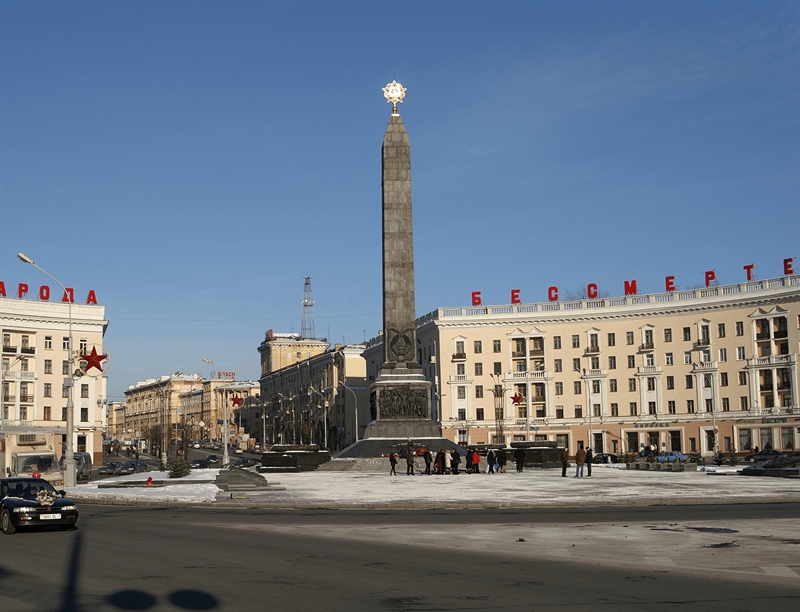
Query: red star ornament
<point x="94" y="360"/>
<point x="237" y="401"/>
<point x="516" y="398"/>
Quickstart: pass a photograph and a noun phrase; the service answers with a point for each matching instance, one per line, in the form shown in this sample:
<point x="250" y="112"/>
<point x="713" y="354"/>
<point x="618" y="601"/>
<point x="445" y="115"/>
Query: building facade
<point x="36" y="364"/>
<point x="693" y="371"/>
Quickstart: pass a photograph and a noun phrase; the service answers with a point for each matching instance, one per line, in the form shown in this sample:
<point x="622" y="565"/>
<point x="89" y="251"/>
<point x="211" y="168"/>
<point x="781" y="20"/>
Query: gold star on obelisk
<point x="394" y="92"/>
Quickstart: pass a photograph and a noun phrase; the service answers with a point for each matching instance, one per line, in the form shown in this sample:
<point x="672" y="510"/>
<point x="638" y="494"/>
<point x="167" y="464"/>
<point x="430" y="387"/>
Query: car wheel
<point x="752" y="459"/>
<point x="5" y="523"/>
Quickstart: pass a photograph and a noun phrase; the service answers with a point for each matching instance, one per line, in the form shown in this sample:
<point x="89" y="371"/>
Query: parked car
<point x="83" y="465"/>
<point x="112" y="467"/>
<point x="197" y="464"/>
<point x="133" y="466"/>
<point x="606" y="458"/>
<point x="33" y="502"/>
<point x="763" y="455"/>
<point x="212" y="459"/>
<point x="671" y="457"/>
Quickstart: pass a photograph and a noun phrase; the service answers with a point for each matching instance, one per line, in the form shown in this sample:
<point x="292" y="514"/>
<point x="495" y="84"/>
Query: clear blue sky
<point x="192" y="162"/>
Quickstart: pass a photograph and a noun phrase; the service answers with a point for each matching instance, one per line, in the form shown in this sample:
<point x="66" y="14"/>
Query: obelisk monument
<point x="401" y="394"/>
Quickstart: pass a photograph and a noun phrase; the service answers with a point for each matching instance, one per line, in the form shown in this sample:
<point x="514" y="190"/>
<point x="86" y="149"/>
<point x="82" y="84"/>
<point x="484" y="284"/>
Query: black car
<point x="33" y="502"/>
<point x="112" y="467"/>
<point x="199" y="464"/>
<point x="763" y="455"/>
<point x="133" y="466"/>
<point x="212" y="459"/>
<point x="606" y="458"/>
<point x="243" y="462"/>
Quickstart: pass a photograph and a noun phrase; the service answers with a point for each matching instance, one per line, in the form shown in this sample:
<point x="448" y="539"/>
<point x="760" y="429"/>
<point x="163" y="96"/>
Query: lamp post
<point x="226" y="430"/>
<point x="498" y="392"/>
<point x="324" y="416"/>
<point x="69" y="452"/>
<point x="355" y="414"/>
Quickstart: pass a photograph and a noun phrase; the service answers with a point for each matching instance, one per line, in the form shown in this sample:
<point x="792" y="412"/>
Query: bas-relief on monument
<point x="401" y="396"/>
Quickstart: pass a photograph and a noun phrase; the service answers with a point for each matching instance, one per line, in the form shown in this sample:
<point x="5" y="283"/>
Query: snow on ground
<point x="533" y="487"/>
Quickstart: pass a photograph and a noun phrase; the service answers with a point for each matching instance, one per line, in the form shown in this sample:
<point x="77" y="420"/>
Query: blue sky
<point x="192" y="162"/>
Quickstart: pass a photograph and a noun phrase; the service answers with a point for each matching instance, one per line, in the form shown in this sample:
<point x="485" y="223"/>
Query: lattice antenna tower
<point x="307" y="325"/>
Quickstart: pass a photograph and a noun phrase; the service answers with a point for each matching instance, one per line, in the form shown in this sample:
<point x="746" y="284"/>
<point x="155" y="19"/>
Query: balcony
<point x="7" y="348"/>
<point x="649" y="370"/>
<point x="648" y="346"/>
<point x="594" y="374"/>
<point x="762" y="335"/>
<point x="770" y="360"/>
<point x="540" y="375"/>
<point x="702" y="342"/>
<point x="459" y="356"/>
<point x="518" y="354"/>
<point x="28" y="350"/>
<point x="592" y="349"/>
<point x="780" y="333"/>
<point x="536" y="352"/>
<point x="460" y="378"/>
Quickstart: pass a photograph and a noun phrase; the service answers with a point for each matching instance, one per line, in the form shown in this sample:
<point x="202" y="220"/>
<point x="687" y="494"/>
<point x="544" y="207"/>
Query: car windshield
<point x="26" y="488"/>
<point x="42" y="463"/>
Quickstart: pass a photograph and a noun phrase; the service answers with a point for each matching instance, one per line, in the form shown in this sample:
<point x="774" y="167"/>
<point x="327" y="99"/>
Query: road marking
<point x="779" y="570"/>
<point x="660" y="561"/>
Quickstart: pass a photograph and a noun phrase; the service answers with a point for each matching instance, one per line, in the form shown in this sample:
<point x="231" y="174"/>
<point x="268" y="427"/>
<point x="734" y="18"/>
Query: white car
<point x="238" y="451"/>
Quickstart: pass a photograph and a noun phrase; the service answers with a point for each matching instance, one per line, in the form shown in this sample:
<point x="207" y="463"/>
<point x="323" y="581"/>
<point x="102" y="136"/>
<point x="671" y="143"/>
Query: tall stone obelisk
<point x="401" y="395"/>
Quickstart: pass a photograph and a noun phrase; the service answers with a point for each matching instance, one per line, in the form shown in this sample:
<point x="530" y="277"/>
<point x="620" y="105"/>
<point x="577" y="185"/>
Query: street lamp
<point x="226" y="433"/>
<point x="355" y="416"/>
<point x="498" y="392"/>
<point x="69" y="452"/>
<point x="324" y="416"/>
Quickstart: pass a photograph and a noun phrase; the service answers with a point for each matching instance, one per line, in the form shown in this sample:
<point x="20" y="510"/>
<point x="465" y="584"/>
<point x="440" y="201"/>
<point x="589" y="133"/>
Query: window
<point x="595" y="386"/>
<point x="478" y="391"/>
<point x="48" y="342"/>
<point x="706" y="381"/>
<point x="723" y="354"/>
<point x="462" y="414"/>
<point x="84" y="391"/>
<point x="461" y="369"/>
<point x="48" y="366"/>
<point x="557" y="365"/>
<point x="576" y="387"/>
<point x="459" y="347"/>
<point x="706" y="356"/>
<point x="742" y="378"/>
<point x="556" y="342"/>
<point x="478" y="346"/>
<point x="594" y="342"/>
<point x="65" y="343"/>
<point x="612" y="384"/>
<point x="709" y="405"/>
<point x="612" y="339"/>
<point x="651" y="383"/>
<point x="84" y="415"/>
<point x="521" y="365"/>
<point x="704" y="334"/>
<point x="47" y="413"/>
<point x="671" y="407"/>
<point x="634" y="409"/>
<point x="669" y="360"/>
<point x="578" y="411"/>
<point x="65" y="368"/>
<point x="629" y="338"/>
<point x="743" y="402"/>
<point x="479" y="414"/>
<point x="687" y="358"/>
<point x="48" y="390"/>
<point x="670" y="382"/>
<point x="498" y="367"/>
<point x="631" y="384"/>
<point x="559" y="412"/>
<point x="740" y="353"/>
<point x="689" y="381"/>
<point x="649" y="359"/>
<point x="83" y="343"/>
<point x="65" y="391"/>
<point x="612" y="363"/>
<point x="596" y="410"/>
<point x="595" y="363"/>
<point x="576" y="341"/>
<point x="64" y="413"/>
<point x="721" y="330"/>
<point x="496" y="346"/>
<point x="614" y="409"/>
<point x="726" y="404"/>
<point x="651" y="408"/>
<point x="559" y="388"/>
<point x="631" y="361"/>
<point x="739" y="328"/>
<point x="576" y="364"/>
<point x="690" y="406"/>
<point x="478" y="369"/>
<point x="668" y="335"/>
<point x="723" y="379"/>
<point x="687" y="334"/>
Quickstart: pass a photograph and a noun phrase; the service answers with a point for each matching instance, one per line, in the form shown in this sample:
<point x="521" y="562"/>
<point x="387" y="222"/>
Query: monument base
<point x="370" y="448"/>
<point x="403" y="428"/>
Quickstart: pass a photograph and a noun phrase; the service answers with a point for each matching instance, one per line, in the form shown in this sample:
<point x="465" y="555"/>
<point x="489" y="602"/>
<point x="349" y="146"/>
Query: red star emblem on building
<point x="93" y="360"/>
<point x="237" y="401"/>
<point x="516" y="398"/>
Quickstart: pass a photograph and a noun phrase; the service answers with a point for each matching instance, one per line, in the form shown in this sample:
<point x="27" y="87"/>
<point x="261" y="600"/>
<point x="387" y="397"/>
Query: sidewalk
<point x="534" y="487"/>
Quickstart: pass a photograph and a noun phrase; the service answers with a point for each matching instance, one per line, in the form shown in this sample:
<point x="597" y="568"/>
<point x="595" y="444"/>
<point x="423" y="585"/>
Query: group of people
<point x="583" y="462"/>
<point x="448" y="461"/>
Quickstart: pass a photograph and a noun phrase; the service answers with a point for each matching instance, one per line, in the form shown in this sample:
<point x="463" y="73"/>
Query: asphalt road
<point x="726" y="558"/>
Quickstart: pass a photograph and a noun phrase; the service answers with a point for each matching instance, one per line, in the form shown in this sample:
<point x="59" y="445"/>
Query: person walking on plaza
<point x="428" y="460"/>
<point x="439" y="463"/>
<point x="564" y="462"/>
<point x="455" y="461"/>
<point x="490" y="462"/>
<point x="519" y="458"/>
<point x="476" y="461"/>
<point x="501" y="461"/>
<point x="589" y="457"/>
<point x="468" y="459"/>
<point x="580" y="461"/>
<point x="448" y="458"/>
<point x="393" y="463"/>
<point x="410" y="462"/>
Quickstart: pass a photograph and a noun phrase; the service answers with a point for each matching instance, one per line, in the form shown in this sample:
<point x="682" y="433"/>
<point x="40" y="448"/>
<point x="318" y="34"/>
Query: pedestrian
<point x="564" y="462"/>
<point x="501" y="460"/>
<point x="589" y="457"/>
<point x="580" y="461"/>
<point x="455" y="461"/>
<point x="428" y="457"/>
<point x="468" y="459"/>
<point x="409" y="462"/>
<point x="519" y="458"/>
<point x="448" y="458"/>
<point x="476" y="461"/>
<point x="490" y="462"/>
<point x="393" y="463"/>
<point x="439" y="464"/>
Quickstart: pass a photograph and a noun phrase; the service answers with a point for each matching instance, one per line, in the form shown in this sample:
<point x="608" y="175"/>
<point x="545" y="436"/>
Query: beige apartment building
<point x="318" y="395"/>
<point x="36" y="364"/>
<point x="685" y="370"/>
